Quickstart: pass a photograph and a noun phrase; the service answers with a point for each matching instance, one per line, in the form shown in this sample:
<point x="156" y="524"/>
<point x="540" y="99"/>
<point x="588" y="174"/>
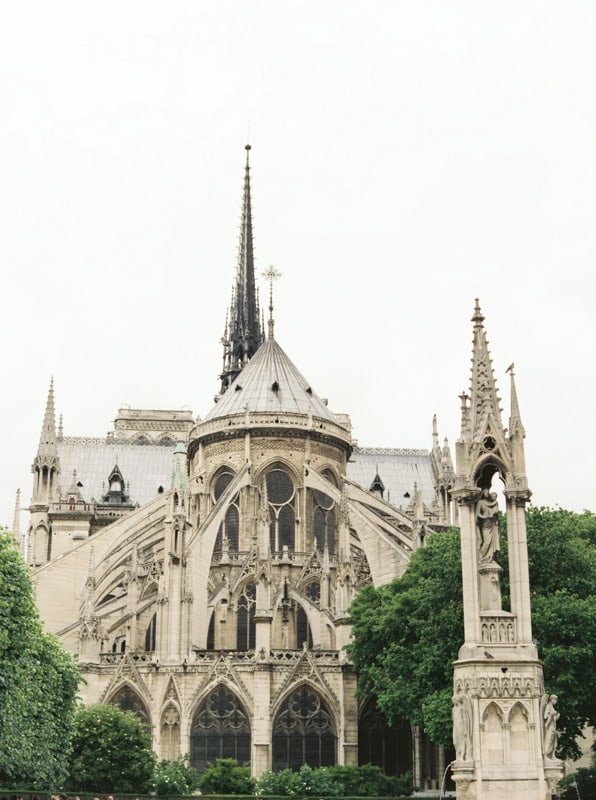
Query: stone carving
<point x="462" y="727"/>
<point x="497" y="629"/>
<point x="504" y="686"/>
<point x="550" y="715"/>
<point x="487" y="520"/>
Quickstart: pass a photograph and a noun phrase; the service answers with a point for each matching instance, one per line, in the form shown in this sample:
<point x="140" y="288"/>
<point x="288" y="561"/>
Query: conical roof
<point x="270" y="383"/>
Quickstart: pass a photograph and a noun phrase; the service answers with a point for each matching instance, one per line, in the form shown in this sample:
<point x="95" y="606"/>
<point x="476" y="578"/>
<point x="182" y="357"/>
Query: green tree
<point x="38" y="684"/>
<point x="407" y="634"/>
<point x="111" y="751"/>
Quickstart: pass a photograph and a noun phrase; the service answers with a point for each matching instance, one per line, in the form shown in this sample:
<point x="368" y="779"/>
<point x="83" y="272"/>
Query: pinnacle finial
<point x="478" y="317"/>
<point x="271" y="275"/>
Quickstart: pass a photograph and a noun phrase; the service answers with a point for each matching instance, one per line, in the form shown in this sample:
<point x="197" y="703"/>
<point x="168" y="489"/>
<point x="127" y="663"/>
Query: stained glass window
<point x="281" y="497"/>
<point x="303" y="732"/>
<point x="220" y="729"/>
<point x="245" y="618"/>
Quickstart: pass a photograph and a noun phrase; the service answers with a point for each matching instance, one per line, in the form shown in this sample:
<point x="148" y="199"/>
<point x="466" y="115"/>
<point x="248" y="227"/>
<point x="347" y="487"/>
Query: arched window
<point x="228" y="530"/>
<point x="303" y="631"/>
<point x="323" y="521"/>
<point x="303" y="732"/>
<point x="220" y="729"/>
<point x="281" y="497"/>
<point x="388" y="747"/>
<point x="245" y="618"/>
<point x="128" y="700"/>
<point x="211" y="633"/>
<point x="150" y="634"/>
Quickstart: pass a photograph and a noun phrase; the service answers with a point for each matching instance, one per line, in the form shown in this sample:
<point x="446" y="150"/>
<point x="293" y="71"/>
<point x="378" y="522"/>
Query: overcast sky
<point x="407" y="157"/>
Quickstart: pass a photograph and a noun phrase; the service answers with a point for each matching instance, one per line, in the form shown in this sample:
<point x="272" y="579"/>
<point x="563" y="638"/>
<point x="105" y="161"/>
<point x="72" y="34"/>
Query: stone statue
<point x="462" y="728"/>
<point x="550" y="715"/>
<point x="487" y="520"/>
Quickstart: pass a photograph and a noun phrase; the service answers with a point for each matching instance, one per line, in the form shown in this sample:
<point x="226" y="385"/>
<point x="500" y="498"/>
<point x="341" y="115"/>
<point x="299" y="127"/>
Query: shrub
<point x="338" y="781"/>
<point x="369" y="780"/>
<point x="174" y="778"/>
<point x="111" y="751"/>
<point x="226" y="776"/>
<point x="307" y="782"/>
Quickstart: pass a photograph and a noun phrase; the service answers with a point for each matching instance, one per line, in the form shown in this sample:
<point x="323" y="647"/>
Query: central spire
<point x="243" y="334"/>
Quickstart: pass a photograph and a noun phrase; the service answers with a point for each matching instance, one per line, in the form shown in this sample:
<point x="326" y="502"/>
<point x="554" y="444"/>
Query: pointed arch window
<point x="128" y="700"/>
<point x="303" y="631"/>
<point x="323" y="521"/>
<point x="303" y="732"/>
<point x="220" y="729"/>
<point x="245" y="618"/>
<point x="227" y="534"/>
<point x="388" y="747"/>
<point x="211" y="633"/>
<point x="151" y="635"/>
<point x="281" y="495"/>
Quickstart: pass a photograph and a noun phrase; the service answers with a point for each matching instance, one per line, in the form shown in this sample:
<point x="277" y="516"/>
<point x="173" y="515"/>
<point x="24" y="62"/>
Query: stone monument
<point x="504" y="726"/>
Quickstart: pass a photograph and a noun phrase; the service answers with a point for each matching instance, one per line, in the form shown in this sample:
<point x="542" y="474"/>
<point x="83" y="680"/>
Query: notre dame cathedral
<point x="201" y="569"/>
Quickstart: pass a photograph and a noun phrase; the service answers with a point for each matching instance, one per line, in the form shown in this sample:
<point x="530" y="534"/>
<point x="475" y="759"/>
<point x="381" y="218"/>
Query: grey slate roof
<point x="399" y="469"/>
<point x="254" y="387"/>
<point x="147" y="467"/>
<point x="144" y="467"/>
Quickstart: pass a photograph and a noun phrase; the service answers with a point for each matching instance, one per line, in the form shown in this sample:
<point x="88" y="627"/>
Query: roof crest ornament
<point x="271" y="274"/>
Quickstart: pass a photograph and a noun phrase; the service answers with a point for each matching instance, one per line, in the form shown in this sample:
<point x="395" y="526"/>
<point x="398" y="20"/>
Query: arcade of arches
<point x="303" y="732"/>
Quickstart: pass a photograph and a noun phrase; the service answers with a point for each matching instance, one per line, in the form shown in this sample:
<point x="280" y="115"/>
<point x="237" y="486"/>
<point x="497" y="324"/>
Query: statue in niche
<point x="462" y="727"/>
<point x="487" y="521"/>
<point x="550" y="715"/>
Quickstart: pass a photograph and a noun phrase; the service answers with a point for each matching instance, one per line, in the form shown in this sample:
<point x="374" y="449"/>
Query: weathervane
<point x="271" y="274"/>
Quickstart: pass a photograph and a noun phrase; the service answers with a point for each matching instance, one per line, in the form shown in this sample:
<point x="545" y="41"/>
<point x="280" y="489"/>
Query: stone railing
<point x="285" y="419"/>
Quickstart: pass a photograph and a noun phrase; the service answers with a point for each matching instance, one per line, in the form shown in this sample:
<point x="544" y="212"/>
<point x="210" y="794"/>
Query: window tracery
<point x="220" y="729"/>
<point x="303" y="732"/>
<point x="245" y="618"/>
<point x="323" y="521"/>
<point x="281" y="497"/>
<point x="229" y="528"/>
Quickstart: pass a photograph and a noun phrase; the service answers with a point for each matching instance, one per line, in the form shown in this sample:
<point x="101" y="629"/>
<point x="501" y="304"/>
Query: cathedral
<point x="201" y="569"/>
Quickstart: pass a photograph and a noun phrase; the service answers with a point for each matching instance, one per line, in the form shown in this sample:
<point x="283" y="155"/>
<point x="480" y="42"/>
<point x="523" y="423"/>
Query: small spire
<point x="16" y="523"/>
<point x="47" y="439"/>
<point x="484" y="400"/>
<point x="60" y="429"/>
<point x="515" y="423"/>
<point x="435" y="432"/>
<point x="271" y="275"/>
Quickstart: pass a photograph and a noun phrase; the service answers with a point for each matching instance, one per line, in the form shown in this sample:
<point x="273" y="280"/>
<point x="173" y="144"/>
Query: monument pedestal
<point x="504" y="757"/>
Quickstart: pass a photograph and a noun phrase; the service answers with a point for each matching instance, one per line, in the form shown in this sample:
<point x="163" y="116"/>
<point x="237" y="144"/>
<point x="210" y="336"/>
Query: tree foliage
<point x="174" y="778"/>
<point x="38" y="684"/>
<point x="111" y="751"/>
<point x="227" y="776"/>
<point x="406" y="635"/>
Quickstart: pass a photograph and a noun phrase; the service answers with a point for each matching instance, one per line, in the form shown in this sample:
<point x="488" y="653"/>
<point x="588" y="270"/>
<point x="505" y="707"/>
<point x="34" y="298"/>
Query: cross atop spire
<point x="271" y="275"/>
<point x="243" y="333"/>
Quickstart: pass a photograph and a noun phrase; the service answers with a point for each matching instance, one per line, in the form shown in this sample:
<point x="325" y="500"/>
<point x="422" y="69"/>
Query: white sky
<point x="407" y="157"/>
